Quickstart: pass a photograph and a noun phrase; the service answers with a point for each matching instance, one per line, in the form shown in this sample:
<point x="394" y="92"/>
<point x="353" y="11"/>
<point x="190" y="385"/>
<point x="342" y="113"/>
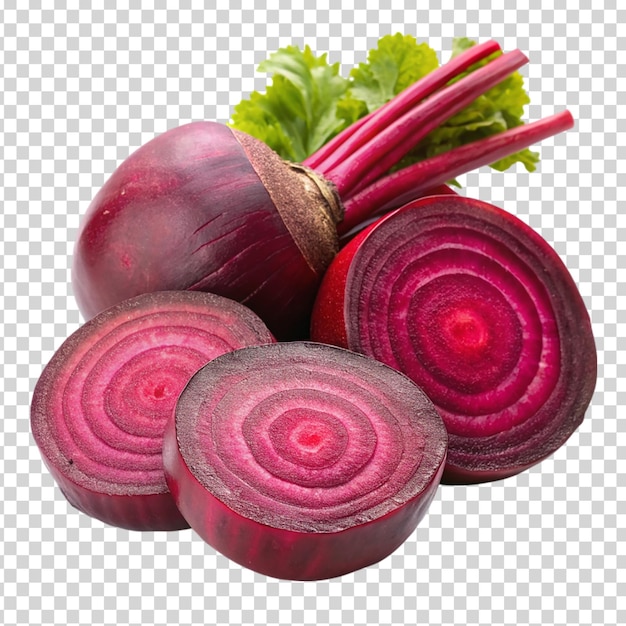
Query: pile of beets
<point x="290" y="358"/>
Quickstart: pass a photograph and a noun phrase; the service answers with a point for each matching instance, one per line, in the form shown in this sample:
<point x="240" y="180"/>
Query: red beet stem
<point x="315" y="160"/>
<point x="412" y="182"/>
<point x="385" y="150"/>
<point x="360" y="133"/>
<point x="347" y="236"/>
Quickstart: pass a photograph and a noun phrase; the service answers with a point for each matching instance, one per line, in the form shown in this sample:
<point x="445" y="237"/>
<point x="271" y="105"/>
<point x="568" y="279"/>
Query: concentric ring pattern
<point x="109" y="390"/>
<point x="473" y="306"/>
<point x="306" y="436"/>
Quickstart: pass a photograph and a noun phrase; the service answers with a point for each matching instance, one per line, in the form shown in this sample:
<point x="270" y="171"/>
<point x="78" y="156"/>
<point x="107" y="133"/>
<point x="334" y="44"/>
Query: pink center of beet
<point x="158" y="388"/>
<point x="159" y="391"/>
<point x="466" y="331"/>
<point x="308" y="437"/>
<point x="140" y="396"/>
<point x="120" y="393"/>
<point x="304" y="443"/>
<point x="450" y="306"/>
<point x="474" y="338"/>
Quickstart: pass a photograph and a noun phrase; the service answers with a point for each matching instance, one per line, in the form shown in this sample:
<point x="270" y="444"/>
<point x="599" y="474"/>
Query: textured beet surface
<point x="100" y="406"/>
<point x="481" y="313"/>
<point x="188" y="210"/>
<point x="302" y="460"/>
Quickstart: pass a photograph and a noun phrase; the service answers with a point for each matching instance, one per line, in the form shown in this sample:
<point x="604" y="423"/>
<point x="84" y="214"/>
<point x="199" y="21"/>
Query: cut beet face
<point x="478" y="310"/>
<point x="100" y="406"/>
<point x="303" y="461"/>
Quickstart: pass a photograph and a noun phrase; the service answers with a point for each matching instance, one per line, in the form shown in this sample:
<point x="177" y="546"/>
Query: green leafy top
<point x="396" y="63"/>
<point x="297" y="113"/>
<point x="308" y="102"/>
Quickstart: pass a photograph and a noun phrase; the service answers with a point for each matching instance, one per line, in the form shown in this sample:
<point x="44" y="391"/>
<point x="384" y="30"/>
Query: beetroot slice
<point x="477" y="309"/>
<point x="101" y="404"/>
<point x="303" y="461"/>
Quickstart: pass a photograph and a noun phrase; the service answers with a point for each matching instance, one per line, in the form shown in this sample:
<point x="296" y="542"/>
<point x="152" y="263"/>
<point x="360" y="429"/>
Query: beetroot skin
<point x="303" y="461"/>
<point x="99" y="409"/>
<point x="188" y="210"/>
<point x="477" y="309"/>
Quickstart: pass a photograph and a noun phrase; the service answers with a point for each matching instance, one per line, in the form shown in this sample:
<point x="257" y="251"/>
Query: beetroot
<point x="303" y="461"/>
<point x="100" y="406"/>
<point x="204" y="207"/>
<point x="189" y="211"/>
<point x="477" y="309"/>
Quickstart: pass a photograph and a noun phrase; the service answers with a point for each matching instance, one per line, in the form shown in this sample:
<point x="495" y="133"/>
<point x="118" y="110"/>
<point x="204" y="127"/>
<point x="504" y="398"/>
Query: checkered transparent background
<point x="81" y="88"/>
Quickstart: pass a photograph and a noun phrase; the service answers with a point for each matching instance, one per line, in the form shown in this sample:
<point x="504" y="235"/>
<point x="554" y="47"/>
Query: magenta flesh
<point x="303" y="461"/>
<point x="101" y="404"/>
<point x="479" y="310"/>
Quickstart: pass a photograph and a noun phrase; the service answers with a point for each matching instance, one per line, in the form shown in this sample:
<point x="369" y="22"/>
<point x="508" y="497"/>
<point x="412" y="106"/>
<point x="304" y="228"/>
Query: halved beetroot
<point x="101" y="404"/>
<point x="478" y="310"/>
<point x="303" y="461"/>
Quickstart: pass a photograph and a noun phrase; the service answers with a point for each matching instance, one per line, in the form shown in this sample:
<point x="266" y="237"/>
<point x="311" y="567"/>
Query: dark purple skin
<point x="189" y="211"/>
<point x="100" y="407"/>
<point x="478" y="310"/>
<point x="303" y="461"/>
